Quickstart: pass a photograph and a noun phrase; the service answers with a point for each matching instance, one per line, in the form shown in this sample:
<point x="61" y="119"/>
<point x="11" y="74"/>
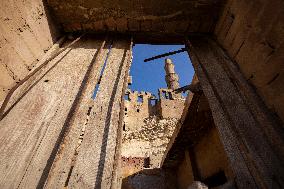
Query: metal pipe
<point x="194" y="88"/>
<point x="165" y="54"/>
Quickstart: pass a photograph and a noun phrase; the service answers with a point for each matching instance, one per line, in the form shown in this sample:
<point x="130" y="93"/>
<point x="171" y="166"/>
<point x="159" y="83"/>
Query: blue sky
<point x="149" y="76"/>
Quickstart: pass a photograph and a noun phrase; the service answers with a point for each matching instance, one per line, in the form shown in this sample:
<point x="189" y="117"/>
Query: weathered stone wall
<point x="198" y="153"/>
<point x="144" y="17"/>
<point x="27" y="32"/>
<point x="184" y="172"/>
<point x="147" y="132"/>
<point x="170" y="104"/>
<point x="132" y="165"/>
<point x="206" y="159"/>
<point x="101" y="139"/>
<point x="31" y="131"/>
<point x="151" y="178"/>
<point x="149" y="140"/>
<point x="246" y="127"/>
<point x="253" y="34"/>
<point x="210" y="156"/>
<point x="56" y="135"/>
<point x="171" y="108"/>
<point x="149" y="124"/>
<point x="137" y="108"/>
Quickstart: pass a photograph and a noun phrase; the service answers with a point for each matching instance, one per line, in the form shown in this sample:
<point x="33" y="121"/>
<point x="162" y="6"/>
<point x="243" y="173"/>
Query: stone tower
<point x="171" y="76"/>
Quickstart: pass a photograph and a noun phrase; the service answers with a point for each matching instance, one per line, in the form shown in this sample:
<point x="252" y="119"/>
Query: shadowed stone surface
<point x="147" y="17"/>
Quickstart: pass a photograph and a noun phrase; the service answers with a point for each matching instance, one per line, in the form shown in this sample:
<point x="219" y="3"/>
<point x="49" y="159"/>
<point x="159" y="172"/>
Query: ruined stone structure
<point x="63" y="78"/>
<point x="149" y="123"/>
<point x="148" y="126"/>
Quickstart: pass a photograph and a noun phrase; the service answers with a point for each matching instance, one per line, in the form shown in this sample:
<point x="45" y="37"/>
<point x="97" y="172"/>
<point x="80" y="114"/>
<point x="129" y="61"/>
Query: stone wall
<point x="210" y="149"/>
<point x="145" y="17"/>
<point x="170" y="108"/>
<point x="184" y="172"/>
<point x="40" y="116"/>
<point x="151" y="178"/>
<point x="149" y="124"/>
<point x="57" y="135"/>
<point x="170" y="104"/>
<point x="137" y="108"/>
<point x="150" y="140"/>
<point x="253" y="34"/>
<point x="132" y="165"/>
<point x="205" y="160"/>
<point x="27" y="32"/>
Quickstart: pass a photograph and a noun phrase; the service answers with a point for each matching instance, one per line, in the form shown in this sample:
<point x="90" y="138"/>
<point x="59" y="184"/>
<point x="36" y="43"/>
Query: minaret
<point x="171" y="76"/>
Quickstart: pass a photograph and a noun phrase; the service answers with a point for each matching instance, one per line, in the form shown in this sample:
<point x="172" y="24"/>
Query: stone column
<point x="171" y="76"/>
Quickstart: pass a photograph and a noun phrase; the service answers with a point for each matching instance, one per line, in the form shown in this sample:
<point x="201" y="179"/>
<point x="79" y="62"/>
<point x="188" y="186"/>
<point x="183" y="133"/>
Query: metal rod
<point x="194" y="88"/>
<point x="165" y="54"/>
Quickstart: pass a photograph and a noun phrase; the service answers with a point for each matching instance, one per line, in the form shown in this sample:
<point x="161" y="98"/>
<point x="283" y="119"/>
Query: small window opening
<point x="138" y="110"/>
<point x="125" y="109"/>
<point x="126" y="97"/>
<point x="96" y="91"/>
<point x="101" y="73"/>
<point x="89" y="111"/>
<point x="185" y="94"/>
<point x="170" y="96"/>
<point x="140" y="99"/>
<point x="147" y="162"/>
<point x="153" y="102"/>
<point x="123" y="127"/>
<point x="165" y="94"/>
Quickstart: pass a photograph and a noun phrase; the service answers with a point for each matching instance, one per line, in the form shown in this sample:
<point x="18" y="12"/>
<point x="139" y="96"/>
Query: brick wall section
<point x="253" y="35"/>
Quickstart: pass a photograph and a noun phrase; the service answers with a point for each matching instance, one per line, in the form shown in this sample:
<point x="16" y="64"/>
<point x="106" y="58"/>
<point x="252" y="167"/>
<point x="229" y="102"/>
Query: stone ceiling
<point x="156" y="18"/>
